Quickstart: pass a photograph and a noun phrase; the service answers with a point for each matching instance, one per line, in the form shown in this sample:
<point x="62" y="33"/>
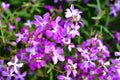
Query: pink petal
<point x="117" y="53"/>
<point x="55" y="60"/>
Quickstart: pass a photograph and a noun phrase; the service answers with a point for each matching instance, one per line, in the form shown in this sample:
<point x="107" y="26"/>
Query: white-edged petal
<point x="16" y="59"/>
<point x="10" y="63"/>
<point x="20" y="65"/>
<point x="15" y="69"/>
<point x="55" y="60"/>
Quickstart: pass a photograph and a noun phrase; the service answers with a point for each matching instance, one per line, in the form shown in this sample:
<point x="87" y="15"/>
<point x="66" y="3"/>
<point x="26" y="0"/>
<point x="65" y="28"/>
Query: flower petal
<point x="20" y="65"/>
<point x="16" y="59"/>
<point x="61" y="58"/>
<point x="10" y="63"/>
<point x="61" y="77"/>
<point x="4" y="73"/>
<point x="55" y="60"/>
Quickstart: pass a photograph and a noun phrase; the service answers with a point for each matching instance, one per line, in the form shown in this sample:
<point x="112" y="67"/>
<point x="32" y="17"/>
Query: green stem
<point x="51" y="75"/>
<point x="4" y="58"/>
<point x="118" y="47"/>
<point x="2" y="35"/>
<point x="99" y="7"/>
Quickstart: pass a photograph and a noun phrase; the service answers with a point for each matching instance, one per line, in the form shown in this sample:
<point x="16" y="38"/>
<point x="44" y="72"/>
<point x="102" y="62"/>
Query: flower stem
<point x="2" y="35"/>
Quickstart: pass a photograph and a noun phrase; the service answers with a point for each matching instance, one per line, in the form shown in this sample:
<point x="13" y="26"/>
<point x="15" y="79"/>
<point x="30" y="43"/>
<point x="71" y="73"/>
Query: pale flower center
<point x="38" y="59"/>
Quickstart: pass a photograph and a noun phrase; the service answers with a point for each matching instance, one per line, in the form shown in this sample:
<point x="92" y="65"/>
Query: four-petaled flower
<point x="41" y="23"/>
<point x="37" y="61"/>
<point x="8" y="73"/>
<point x="19" y="76"/>
<point x="57" y="55"/>
<point x="71" y="68"/>
<point x="15" y="64"/>
<point x="73" y="13"/>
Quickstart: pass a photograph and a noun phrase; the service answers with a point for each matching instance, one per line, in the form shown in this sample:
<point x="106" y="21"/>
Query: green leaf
<point x="118" y="47"/>
<point x="49" y="70"/>
<point x="92" y="5"/>
<point x="106" y="30"/>
<point x="85" y="21"/>
<point x="51" y="75"/>
<point x="24" y="14"/>
<point x="98" y="5"/>
<point x="96" y="18"/>
<point x="8" y="12"/>
<point x="80" y="7"/>
<point x="34" y="77"/>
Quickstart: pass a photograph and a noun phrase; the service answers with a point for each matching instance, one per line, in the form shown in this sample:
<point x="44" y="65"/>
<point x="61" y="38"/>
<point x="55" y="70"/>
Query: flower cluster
<point x="91" y="62"/>
<point x="11" y="70"/>
<point x="45" y="40"/>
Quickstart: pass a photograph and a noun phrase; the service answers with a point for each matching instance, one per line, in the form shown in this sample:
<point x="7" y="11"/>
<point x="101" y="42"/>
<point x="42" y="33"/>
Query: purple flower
<point x="117" y="36"/>
<point x="104" y="49"/>
<point x="22" y="55"/>
<point x="61" y="77"/>
<point x="19" y="76"/>
<point x="113" y="73"/>
<point x="23" y="35"/>
<point x="115" y="8"/>
<point x="113" y="11"/>
<point x="18" y="19"/>
<point x="40" y="22"/>
<point x="28" y="23"/>
<point x="71" y="30"/>
<point x="1" y="65"/>
<point x="117" y="5"/>
<point x="116" y="62"/>
<point x="20" y="37"/>
<point x="32" y="51"/>
<point x="74" y="30"/>
<point x="8" y="74"/>
<point x="37" y="61"/>
<point x="5" y="6"/>
<point x="49" y="46"/>
<point x="73" y="13"/>
<point x="71" y="68"/>
<point x="11" y="27"/>
<point x="104" y="64"/>
<point x="66" y="40"/>
<point x="117" y="53"/>
<point x="86" y="1"/>
<point x="15" y="64"/>
<point x="56" y="29"/>
<point x="57" y="55"/>
<point x="49" y="8"/>
<point x="34" y="40"/>
<point x="55" y="1"/>
<point x="55" y="24"/>
<point x="81" y="50"/>
<point x="88" y="61"/>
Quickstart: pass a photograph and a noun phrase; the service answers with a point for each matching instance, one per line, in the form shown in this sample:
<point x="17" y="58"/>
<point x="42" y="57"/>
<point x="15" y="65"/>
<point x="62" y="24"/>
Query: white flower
<point x="28" y="23"/>
<point x="15" y="64"/>
<point x="73" y="13"/>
